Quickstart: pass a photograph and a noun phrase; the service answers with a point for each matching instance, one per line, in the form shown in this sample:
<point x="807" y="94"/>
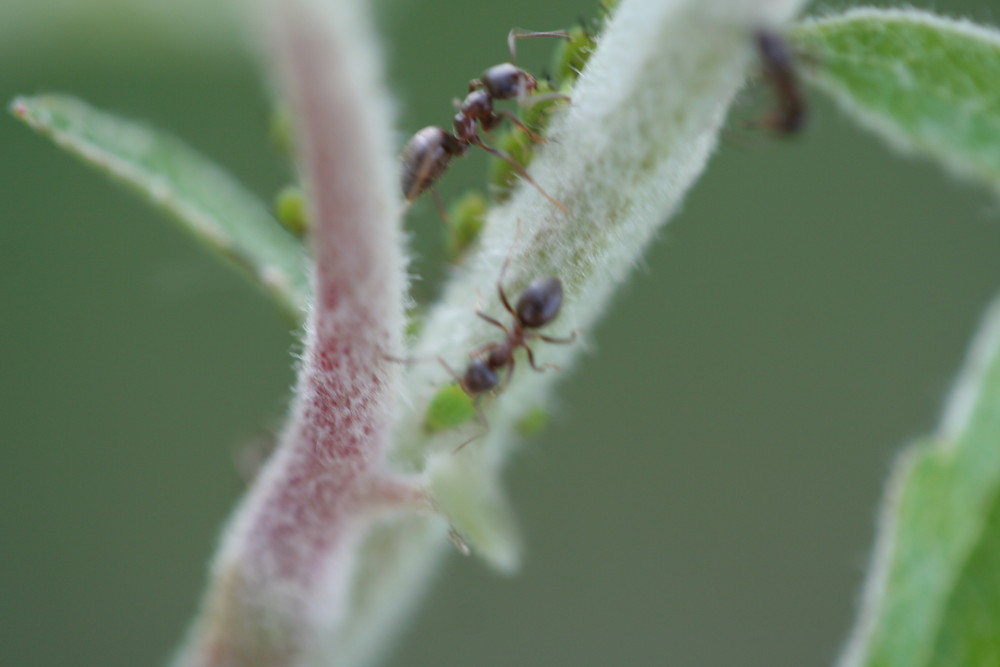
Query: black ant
<point x="779" y="67"/>
<point x="537" y="306"/>
<point x="428" y="153"/>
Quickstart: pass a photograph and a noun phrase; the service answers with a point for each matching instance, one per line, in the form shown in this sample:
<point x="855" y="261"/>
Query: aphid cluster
<point x="427" y="155"/>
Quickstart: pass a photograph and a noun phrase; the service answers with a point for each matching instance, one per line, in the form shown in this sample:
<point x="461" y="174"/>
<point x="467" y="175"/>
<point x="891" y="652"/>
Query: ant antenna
<point x="520" y="33"/>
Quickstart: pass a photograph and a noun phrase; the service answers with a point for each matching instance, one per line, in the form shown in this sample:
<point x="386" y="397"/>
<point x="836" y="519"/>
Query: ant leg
<point x="520" y="33"/>
<point x="493" y="322"/>
<point x="475" y="437"/>
<point x="481" y="418"/>
<point x="512" y="117"/>
<point x="520" y="171"/>
<point x="559" y="341"/>
<point x="442" y="211"/>
<point x="536" y="367"/>
<point x="503" y="295"/>
<point x="503" y="272"/>
<point x="404" y="360"/>
<point x="452" y="373"/>
<point x="483" y="349"/>
<point x="510" y="373"/>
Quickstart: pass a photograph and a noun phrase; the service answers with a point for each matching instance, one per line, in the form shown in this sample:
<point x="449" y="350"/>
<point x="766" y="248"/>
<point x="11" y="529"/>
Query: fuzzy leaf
<point x="477" y="509"/>
<point x="933" y="594"/>
<point x="925" y="83"/>
<point x="206" y="200"/>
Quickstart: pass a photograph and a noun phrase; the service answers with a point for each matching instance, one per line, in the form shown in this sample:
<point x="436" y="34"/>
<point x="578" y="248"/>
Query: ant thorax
<point x="499" y="356"/>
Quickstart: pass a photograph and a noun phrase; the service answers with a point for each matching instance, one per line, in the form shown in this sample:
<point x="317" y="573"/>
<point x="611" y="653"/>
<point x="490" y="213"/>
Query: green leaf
<point x="927" y="84"/>
<point x="933" y="594"/>
<point x="476" y="508"/>
<point x="206" y="200"/>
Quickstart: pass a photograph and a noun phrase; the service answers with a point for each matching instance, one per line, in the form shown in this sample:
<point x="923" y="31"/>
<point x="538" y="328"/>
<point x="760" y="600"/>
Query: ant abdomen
<point x="425" y="157"/>
<point x="540" y="303"/>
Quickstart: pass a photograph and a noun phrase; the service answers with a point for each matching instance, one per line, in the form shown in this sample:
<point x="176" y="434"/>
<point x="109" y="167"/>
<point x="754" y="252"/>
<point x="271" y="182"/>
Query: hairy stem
<point x="282" y="575"/>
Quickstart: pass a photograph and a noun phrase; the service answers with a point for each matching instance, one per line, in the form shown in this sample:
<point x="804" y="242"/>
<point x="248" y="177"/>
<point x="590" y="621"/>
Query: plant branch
<point x="644" y="119"/>
<point x="283" y="572"/>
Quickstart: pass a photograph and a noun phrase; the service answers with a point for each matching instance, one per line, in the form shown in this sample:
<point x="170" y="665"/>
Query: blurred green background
<point x="706" y="494"/>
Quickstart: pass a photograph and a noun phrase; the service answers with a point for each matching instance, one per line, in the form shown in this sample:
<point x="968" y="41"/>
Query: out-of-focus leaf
<point x="933" y="594"/>
<point x="926" y="83"/>
<point x="206" y="200"/>
<point x="96" y="30"/>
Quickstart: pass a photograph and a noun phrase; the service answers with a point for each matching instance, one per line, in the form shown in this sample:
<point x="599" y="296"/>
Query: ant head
<point x="507" y="81"/>
<point x="479" y="378"/>
<point x="424" y="158"/>
<point x="540" y="303"/>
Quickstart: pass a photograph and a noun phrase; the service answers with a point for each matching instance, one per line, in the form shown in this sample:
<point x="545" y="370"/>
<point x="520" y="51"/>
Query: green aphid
<point x="533" y="422"/>
<point x="450" y="407"/>
<point x="283" y="131"/>
<point x="467" y="215"/>
<point x="414" y="323"/>
<point x="290" y="206"/>
<point x="571" y="56"/>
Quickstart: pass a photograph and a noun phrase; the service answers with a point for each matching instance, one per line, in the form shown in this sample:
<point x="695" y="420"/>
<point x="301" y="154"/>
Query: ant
<point x="779" y="67"/>
<point x="537" y="306"/>
<point x="428" y="153"/>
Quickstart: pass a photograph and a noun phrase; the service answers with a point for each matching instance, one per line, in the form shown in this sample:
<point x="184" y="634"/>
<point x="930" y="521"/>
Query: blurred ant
<point x="779" y="67"/>
<point x="428" y="153"/>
